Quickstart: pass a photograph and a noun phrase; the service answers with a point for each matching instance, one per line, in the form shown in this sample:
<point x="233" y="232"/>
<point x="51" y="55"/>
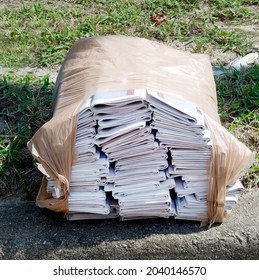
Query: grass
<point x="24" y="107"/>
<point x="40" y="33"/>
<point x="238" y="94"/>
<point x="238" y="101"/>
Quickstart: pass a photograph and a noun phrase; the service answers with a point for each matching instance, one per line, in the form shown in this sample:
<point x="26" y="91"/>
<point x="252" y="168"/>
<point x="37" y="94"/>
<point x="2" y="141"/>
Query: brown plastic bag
<point x="123" y="63"/>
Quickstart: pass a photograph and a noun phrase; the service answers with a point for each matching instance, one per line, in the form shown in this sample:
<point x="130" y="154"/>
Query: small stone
<point x="195" y="242"/>
<point x="239" y="238"/>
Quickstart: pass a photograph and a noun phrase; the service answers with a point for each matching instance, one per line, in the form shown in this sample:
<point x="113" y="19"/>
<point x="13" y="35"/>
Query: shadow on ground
<point x="28" y="232"/>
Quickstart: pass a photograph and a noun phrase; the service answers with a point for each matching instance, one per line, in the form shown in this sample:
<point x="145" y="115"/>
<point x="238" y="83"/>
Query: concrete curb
<point x="28" y="232"/>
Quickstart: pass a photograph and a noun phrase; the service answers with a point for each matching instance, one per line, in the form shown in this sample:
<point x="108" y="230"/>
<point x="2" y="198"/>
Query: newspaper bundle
<point x="141" y="154"/>
<point x="136" y="133"/>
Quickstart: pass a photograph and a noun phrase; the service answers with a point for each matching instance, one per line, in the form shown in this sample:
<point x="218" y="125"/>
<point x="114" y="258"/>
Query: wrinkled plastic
<point x="122" y="63"/>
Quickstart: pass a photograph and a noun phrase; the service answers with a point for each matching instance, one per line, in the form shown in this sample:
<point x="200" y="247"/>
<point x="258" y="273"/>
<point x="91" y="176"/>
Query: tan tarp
<point x="123" y="63"/>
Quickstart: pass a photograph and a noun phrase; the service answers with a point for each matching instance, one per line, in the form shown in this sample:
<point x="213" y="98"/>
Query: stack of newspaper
<point x="180" y="127"/>
<point x="232" y="194"/>
<point x="140" y="154"/>
<point x="189" y="208"/>
<point x="137" y="178"/>
<point x="89" y="172"/>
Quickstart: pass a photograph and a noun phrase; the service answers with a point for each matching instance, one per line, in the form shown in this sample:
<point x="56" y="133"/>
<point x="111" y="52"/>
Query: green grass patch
<point x="238" y="101"/>
<point x="41" y="34"/>
<point x="238" y="94"/>
<point x="24" y="107"/>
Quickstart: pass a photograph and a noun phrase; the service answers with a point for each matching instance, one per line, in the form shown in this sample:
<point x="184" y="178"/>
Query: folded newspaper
<point x="136" y="134"/>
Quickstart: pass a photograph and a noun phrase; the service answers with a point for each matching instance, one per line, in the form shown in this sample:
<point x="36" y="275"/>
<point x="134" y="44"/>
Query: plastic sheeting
<point x="124" y="63"/>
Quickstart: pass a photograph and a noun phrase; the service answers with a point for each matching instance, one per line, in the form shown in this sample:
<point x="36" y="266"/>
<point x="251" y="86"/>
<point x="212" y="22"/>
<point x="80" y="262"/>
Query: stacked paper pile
<point x="87" y="198"/>
<point x="137" y="178"/>
<point x="88" y="175"/>
<point x="180" y="127"/>
<point x="189" y="208"/>
<point x="141" y="154"/>
<point x="232" y="195"/>
<point x="53" y="188"/>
